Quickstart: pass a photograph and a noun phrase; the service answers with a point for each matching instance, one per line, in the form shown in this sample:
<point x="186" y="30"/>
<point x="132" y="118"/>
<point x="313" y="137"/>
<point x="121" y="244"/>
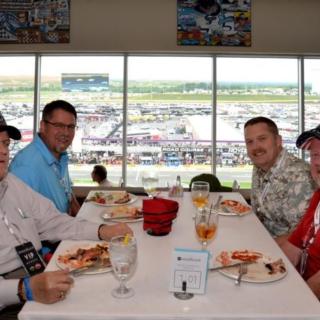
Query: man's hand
<point x="50" y="287"/>
<point x="281" y="239"/>
<point x="292" y="252"/>
<point x="120" y="229"/>
<point x="74" y="206"/>
<point x="314" y="284"/>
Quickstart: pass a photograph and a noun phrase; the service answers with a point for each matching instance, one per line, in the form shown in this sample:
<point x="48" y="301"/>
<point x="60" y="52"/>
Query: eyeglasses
<point x="61" y="126"/>
<point x="5" y="143"/>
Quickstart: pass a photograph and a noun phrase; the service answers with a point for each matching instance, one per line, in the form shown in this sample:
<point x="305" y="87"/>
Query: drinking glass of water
<point x="123" y="257"/>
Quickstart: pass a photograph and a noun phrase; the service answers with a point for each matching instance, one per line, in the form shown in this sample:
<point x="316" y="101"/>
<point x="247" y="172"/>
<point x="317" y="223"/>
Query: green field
<point x="28" y="96"/>
<point x="88" y="182"/>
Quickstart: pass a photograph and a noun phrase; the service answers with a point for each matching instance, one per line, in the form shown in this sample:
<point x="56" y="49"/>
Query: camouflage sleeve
<point x="253" y="194"/>
<point x="299" y="192"/>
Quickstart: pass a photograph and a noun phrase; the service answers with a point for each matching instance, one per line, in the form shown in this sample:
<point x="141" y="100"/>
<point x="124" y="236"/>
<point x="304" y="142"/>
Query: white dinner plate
<point x="107" y="217"/>
<point x="113" y="194"/>
<point x="74" y="248"/>
<point x="257" y="272"/>
<point x="233" y="208"/>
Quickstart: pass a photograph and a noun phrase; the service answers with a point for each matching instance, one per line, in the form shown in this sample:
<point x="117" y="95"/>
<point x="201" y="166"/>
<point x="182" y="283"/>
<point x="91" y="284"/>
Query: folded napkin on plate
<point x="158" y="214"/>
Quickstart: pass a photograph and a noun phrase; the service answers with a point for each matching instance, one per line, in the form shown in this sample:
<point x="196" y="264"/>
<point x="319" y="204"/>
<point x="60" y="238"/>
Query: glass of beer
<point x="206" y="226"/>
<point x="199" y="194"/>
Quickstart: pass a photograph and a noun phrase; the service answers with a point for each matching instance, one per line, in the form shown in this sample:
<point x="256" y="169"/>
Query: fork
<point x="243" y="269"/>
<point x="97" y="265"/>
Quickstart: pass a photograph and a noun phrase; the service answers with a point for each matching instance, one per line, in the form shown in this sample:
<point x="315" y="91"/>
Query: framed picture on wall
<point x="35" y="21"/>
<point x="214" y="22"/>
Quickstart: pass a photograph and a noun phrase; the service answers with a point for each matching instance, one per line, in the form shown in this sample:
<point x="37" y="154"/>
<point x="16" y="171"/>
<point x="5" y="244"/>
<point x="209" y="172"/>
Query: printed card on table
<point x="191" y="267"/>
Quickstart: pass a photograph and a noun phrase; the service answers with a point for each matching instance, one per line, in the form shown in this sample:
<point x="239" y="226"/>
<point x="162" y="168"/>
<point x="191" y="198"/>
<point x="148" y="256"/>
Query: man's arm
<point x="281" y="239"/>
<point x="46" y="287"/>
<point x="314" y="284"/>
<point x="106" y="232"/>
<point x="50" y="287"/>
<point x="74" y="206"/>
<point x="291" y="251"/>
<point x="297" y="200"/>
<point x="8" y="292"/>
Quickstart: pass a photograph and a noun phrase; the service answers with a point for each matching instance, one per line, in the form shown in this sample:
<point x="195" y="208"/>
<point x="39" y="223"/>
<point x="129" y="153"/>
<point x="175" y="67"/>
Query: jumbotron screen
<point x="85" y="82"/>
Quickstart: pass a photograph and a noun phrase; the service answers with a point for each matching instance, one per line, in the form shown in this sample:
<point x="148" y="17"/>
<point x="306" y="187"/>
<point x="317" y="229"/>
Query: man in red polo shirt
<point x="303" y="245"/>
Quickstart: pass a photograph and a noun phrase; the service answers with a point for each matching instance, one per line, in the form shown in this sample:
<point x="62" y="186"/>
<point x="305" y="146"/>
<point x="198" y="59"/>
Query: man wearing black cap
<point x="26" y="218"/>
<point x="303" y="245"/>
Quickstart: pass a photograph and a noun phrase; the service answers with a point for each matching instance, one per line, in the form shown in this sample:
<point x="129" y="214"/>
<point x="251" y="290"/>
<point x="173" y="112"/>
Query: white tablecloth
<point x="90" y="298"/>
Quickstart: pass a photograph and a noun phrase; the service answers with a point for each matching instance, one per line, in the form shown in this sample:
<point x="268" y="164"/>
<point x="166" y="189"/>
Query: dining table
<point x="90" y="298"/>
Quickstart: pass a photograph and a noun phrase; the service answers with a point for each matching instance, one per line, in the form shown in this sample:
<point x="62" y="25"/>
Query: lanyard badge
<point x="309" y="239"/>
<point x="303" y="261"/>
<point x="30" y="258"/>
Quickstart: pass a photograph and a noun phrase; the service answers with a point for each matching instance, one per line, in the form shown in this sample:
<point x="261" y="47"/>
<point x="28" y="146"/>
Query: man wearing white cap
<point x="303" y="245"/>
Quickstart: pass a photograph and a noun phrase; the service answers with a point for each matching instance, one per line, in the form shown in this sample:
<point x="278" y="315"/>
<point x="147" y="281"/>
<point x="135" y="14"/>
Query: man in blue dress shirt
<point x="43" y="164"/>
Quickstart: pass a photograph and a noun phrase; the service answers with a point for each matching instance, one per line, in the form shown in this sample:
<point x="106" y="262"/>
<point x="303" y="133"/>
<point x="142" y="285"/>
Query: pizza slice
<point x="125" y="212"/>
<point x="234" y="206"/>
<point x="86" y="257"/>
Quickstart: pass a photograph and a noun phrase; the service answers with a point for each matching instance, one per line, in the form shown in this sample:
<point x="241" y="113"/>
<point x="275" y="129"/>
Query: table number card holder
<point x="188" y="272"/>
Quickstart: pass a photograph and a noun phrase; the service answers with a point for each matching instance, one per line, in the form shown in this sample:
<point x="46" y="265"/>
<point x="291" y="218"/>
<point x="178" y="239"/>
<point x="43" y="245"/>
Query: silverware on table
<point x="98" y="265"/>
<point x="125" y="218"/>
<point x="80" y="271"/>
<point x="217" y="204"/>
<point x="243" y="269"/>
<point x="238" y="264"/>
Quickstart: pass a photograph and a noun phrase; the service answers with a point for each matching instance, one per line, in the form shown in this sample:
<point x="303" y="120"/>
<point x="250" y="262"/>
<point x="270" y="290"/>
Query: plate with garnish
<point x="111" y="198"/>
<point x="126" y="214"/>
<point x="261" y="268"/>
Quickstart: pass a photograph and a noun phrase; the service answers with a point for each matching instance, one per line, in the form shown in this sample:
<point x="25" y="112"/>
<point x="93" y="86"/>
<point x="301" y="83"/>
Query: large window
<point x="247" y="88"/>
<point x="169" y="117"/>
<point x="94" y="85"/>
<point x="312" y="93"/>
<point x="161" y="113"/>
<point x="17" y="94"/>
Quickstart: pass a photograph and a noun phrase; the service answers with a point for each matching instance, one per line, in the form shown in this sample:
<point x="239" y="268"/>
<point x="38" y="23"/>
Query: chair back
<point x="215" y="185"/>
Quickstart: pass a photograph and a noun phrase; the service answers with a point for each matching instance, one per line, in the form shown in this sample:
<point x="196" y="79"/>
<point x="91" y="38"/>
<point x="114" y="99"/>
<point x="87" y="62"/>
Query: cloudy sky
<point x="168" y="68"/>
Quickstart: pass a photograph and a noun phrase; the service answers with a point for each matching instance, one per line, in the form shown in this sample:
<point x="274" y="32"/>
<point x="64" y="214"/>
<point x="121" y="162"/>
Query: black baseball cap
<point x="13" y="132"/>
<point x="305" y="138"/>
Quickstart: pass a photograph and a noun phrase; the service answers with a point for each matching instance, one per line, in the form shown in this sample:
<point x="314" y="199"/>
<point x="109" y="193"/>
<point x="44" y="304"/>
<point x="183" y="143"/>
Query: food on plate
<point x="261" y="268"/>
<point x="246" y="255"/>
<point x="123" y="198"/>
<point x="86" y="257"/>
<point x="109" y="198"/>
<point x="234" y="206"/>
<point x="276" y="266"/>
<point x="100" y="197"/>
<point x="226" y="258"/>
<point x="125" y="212"/>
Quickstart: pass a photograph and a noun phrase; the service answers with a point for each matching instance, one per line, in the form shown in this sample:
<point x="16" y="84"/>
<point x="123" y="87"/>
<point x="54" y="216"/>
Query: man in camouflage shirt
<point x="281" y="183"/>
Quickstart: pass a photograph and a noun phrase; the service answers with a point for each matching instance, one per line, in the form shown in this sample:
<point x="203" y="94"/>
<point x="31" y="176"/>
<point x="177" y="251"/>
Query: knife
<point x="124" y="218"/>
<point x="230" y="265"/>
